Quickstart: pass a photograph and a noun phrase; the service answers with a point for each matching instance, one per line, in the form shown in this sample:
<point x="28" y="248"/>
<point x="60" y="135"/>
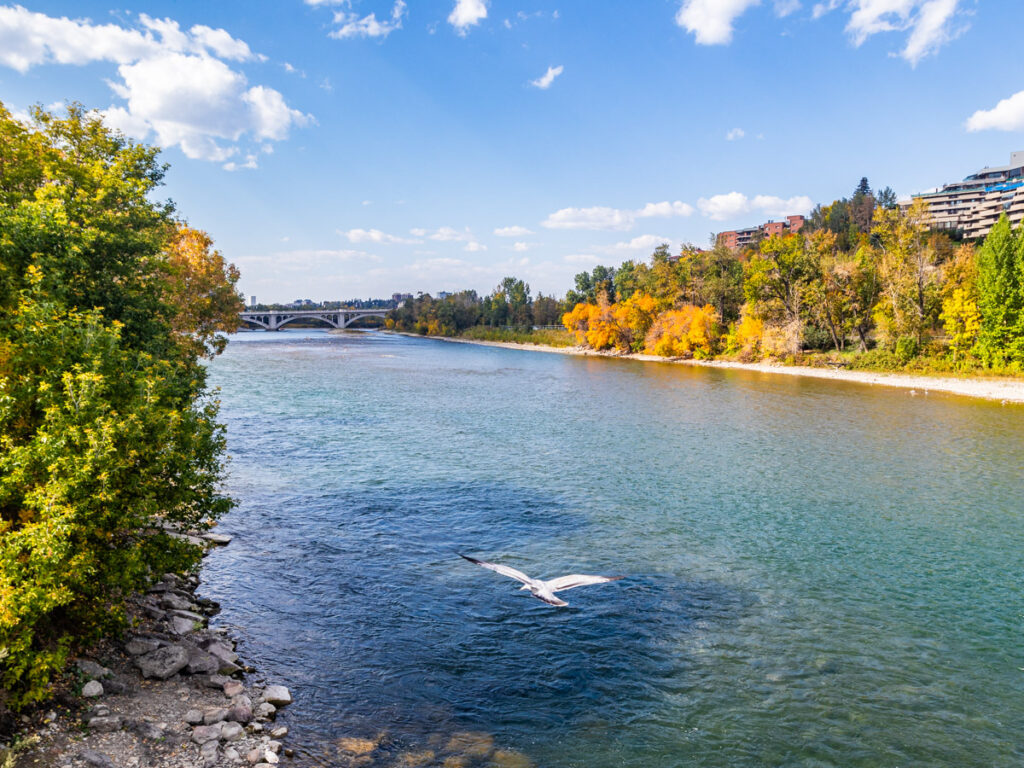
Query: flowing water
<point x="817" y="573"/>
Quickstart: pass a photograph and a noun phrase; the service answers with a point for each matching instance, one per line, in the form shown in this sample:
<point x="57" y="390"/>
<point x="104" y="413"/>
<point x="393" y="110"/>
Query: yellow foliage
<point x="962" y="321"/>
<point x="685" y="332"/>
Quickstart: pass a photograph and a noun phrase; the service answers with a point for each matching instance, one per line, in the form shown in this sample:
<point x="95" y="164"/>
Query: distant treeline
<point x="864" y="279"/>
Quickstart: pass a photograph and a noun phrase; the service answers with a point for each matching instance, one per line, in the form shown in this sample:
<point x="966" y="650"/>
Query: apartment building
<point x="738" y="239"/>
<point x="973" y="205"/>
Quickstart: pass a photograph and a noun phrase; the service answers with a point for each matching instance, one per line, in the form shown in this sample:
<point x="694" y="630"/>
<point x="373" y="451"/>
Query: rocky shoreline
<point x="171" y="694"/>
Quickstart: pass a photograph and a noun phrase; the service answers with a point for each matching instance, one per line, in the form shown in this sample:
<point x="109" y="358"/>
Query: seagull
<point x="543" y="590"/>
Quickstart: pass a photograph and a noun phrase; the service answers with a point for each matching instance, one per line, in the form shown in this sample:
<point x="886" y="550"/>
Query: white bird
<point x="544" y="590"/>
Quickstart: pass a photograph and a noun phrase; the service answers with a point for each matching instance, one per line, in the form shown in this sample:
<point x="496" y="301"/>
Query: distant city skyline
<point x="344" y="148"/>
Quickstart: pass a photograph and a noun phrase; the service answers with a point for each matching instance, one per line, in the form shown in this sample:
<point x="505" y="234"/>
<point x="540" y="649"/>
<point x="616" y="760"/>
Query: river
<point x="816" y="573"/>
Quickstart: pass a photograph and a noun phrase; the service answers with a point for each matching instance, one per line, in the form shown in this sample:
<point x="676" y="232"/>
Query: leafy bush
<point x="107" y="435"/>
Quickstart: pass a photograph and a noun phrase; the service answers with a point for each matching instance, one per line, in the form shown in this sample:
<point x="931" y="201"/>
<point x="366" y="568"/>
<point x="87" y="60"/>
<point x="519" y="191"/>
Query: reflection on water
<point x="817" y="573"/>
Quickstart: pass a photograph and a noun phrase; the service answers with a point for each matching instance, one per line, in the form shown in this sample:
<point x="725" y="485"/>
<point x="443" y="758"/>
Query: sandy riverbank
<point x="1002" y="389"/>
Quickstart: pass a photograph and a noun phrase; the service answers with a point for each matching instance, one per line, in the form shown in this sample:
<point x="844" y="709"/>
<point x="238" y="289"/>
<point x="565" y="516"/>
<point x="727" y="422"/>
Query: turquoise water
<point x="817" y="573"/>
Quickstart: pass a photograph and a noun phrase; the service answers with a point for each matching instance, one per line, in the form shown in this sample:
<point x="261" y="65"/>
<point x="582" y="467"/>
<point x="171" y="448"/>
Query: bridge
<point x="274" y="320"/>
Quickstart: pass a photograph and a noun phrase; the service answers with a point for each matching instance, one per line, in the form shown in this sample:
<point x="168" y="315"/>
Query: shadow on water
<point x="376" y="623"/>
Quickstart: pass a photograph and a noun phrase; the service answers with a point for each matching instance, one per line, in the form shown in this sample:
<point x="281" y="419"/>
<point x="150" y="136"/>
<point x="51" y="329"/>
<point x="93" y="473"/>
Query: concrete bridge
<point x="274" y="320"/>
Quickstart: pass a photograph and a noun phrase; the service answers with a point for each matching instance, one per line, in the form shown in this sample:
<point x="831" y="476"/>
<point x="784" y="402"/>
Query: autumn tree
<point x="1001" y="294"/>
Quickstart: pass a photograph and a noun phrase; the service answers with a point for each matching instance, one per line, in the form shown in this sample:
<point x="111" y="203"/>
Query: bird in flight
<point x="544" y="590"/>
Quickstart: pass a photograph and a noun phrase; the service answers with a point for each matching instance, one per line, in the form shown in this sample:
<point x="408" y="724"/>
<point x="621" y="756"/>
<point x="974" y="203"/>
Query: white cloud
<point x="734" y="134"/>
<point x="350" y="25"/>
<point x="466" y="14"/>
<point x="474" y="247"/>
<point x="515" y="231"/>
<point x="445" y="235"/>
<point x="375" y="236"/>
<point x="581" y="258"/>
<point x="521" y="247"/>
<point x="175" y="84"/>
<point x="784" y="8"/>
<point x="733" y="204"/>
<point x="928" y="21"/>
<point x="544" y="81"/>
<point x="601" y="217"/>
<point x="640" y="243"/>
<point x="1007" y="115"/>
<point x="710" y="21"/>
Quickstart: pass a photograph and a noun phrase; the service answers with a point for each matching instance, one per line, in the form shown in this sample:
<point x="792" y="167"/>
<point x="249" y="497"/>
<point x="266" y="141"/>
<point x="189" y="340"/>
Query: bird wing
<point x="578" y="580"/>
<point x="504" y="570"/>
<point x="550" y="599"/>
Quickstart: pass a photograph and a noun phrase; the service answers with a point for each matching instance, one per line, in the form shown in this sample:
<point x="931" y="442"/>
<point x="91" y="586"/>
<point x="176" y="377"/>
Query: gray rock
<point x="194" y="717"/>
<point x="172" y="600"/>
<point x="220" y="539"/>
<point x="181" y="626"/>
<point x="188" y="615"/>
<point x="92" y="670"/>
<point x="280" y="732"/>
<point x="232" y="732"/>
<point x="233" y="688"/>
<point x="212" y="716"/>
<point x="208" y="754"/>
<point x="137" y="646"/>
<point x="96" y="759"/>
<point x="240" y="713"/>
<point x="227" y="668"/>
<point x="270" y="757"/>
<point x="92" y="689"/>
<point x="202" y="663"/>
<point x="266" y="711"/>
<point x="144" y="729"/>
<point x="230" y="753"/>
<point x="163" y="662"/>
<point x="106" y="723"/>
<point x="202" y="734"/>
<point x="256" y="727"/>
<point x="277" y="695"/>
<point x="222" y="652"/>
<point x="116" y="685"/>
<point x="274" y="746"/>
<point x="216" y="681"/>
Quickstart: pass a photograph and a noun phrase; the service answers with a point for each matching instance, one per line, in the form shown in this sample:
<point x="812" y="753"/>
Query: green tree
<point x="1001" y="294"/>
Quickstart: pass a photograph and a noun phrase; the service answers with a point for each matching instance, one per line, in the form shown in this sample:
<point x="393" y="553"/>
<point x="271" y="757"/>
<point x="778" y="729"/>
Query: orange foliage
<point x="688" y="331"/>
<point x="605" y="326"/>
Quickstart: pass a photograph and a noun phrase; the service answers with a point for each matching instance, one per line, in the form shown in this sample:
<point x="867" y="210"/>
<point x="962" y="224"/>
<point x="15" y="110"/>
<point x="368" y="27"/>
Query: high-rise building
<point x="973" y="205"/>
<point x="741" y="238"/>
<point x="252" y="302"/>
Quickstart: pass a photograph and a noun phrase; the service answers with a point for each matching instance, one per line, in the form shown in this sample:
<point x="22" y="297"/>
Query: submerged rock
<point x="507" y="758"/>
<point x="354" y="746"/>
<point x="471" y="743"/>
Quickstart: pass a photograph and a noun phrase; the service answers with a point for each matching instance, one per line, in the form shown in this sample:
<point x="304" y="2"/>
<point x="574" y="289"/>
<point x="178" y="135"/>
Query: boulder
<point x="212" y="716"/>
<point x="180" y="626"/>
<point x="163" y="662"/>
<point x="208" y="754"/>
<point x="92" y="689"/>
<point x="233" y="688"/>
<point x="174" y="601"/>
<point x="471" y="743"/>
<point x="219" y="539"/>
<point x="138" y="646"/>
<point x="202" y="663"/>
<point x="202" y="734"/>
<point x="96" y="759"/>
<point x="222" y="651"/>
<point x="240" y="713"/>
<point x="354" y="746"/>
<point x="106" y="723"/>
<point x="92" y="670"/>
<point x="277" y="695"/>
<point x="232" y="732"/>
<point x="194" y="717"/>
<point x="266" y="711"/>
<point x="280" y="732"/>
<point x="230" y="753"/>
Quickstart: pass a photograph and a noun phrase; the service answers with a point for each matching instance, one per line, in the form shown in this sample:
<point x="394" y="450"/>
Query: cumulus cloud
<point x="710" y="21"/>
<point x="734" y="134"/>
<point x="515" y="231"/>
<point x="521" y="246"/>
<point x="1007" y="115"/>
<point x="174" y="83"/>
<point x="445" y="234"/>
<point x="733" y="204"/>
<point x="601" y="217"/>
<point x="474" y="247"/>
<point x="351" y="25"/>
<point x="544" y="81"/>
<point x="375" y="236"/>
<point x="466" y="14"/>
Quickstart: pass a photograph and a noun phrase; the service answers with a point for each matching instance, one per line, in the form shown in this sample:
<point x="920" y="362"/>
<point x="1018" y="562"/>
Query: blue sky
<point x="341" y="149"/>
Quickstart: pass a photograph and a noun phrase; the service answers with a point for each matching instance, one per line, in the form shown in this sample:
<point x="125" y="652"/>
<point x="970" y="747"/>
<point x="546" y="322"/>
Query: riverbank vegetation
<point x="108" y="434"/>
<point x="865" y="284"/>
